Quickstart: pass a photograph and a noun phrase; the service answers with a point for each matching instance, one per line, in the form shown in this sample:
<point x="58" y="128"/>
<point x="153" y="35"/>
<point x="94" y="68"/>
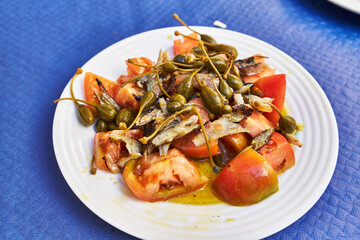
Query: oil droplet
<point x="229" y="219"/>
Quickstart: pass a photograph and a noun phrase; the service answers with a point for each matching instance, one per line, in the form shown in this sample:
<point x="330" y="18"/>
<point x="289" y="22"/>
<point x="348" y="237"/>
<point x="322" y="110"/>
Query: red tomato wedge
<point x="160" y="178"/>
<point x="186" y="45"/>
<point x="107" y="153"/>
<point x="134" y="70"/>
<point x="278" y="153"/>
<point x="274" y="87"/>
<point x="90" y="85"/>
<point x="246" y="180"/>
<point x="125" y="96"/>
<point x="257" y="123"/>
<point x="186" y="145"/>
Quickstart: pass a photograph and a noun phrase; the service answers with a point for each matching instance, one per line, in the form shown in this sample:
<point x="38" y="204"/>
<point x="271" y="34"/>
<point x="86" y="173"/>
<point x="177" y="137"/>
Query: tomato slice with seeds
<point x="158" y="178"/>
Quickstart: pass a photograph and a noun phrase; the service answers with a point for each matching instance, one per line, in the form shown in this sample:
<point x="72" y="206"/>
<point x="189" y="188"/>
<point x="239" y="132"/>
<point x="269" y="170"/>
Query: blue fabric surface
<point x="43" y="42"/>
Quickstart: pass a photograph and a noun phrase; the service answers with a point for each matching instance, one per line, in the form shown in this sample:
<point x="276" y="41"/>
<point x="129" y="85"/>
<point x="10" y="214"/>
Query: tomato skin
<point x="246" y="180"/>
<point x="278" y="153"/>
<point x="274" y="87"/>
<point x="257" y="123"/>
<point x="125" y="96"/>
<point x="134" y="70"/>
<point x="90" y="84"/>
<point x="186" y="146"/>
<point x="186" y="45"/>
<point x="161" y="178"/>
<point x="237" y="142"/>
<point x="112" y="152"/>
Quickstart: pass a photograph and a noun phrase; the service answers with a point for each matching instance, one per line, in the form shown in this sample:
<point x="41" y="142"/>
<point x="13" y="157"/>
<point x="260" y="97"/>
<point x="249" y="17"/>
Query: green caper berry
<point x="178" y="98"/>
<point x="85" y="115"/>
<point x="101" y="126"/>
<point x="126" y="116"/>
<point x="106" y="112"/>
<point x="174" y="107"/>
<point x="181" y="58"/>
<point x="234" y="82"/>
<point x="227" y="109"/>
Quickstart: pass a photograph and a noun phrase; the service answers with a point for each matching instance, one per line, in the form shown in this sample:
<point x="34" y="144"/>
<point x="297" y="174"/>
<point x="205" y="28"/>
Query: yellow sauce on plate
<point x="204" y="196"/>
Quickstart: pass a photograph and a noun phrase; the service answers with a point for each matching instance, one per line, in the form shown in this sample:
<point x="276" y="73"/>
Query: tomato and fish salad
<point x="157" y="123"/>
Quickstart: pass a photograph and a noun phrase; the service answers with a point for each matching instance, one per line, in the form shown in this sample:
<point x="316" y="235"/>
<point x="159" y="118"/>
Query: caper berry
<point x="234" y="82"/>
<point x="198" y="51"/>
<point x="112" y="126"/>
<point x="186" y="87"/>
<point x="169" y="67"/>
<point x="181" y="58"/>
<point x="86" y="116"/>
<point x="208" y="39"/>
<point x="174" y="107"/>
<point x="225" y="89"/>
<point x="225" y="48"/>
<point x="219" y="62"/>
<point x="106" y="112"/>
<point x="126" y="116"/>
<point x="212" y="100"/>
<point x="101" y="126"/>
<point x="178" y="98"/>
<point x="227" y="109"/>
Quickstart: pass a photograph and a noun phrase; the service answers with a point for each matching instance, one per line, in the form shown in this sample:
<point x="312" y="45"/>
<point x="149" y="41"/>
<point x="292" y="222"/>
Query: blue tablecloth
<point x="42" y="42"/>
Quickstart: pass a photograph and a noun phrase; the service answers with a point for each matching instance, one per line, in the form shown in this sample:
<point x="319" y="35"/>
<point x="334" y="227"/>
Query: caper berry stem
<point x="215" y="168"/>
<point x="78" y="71"/>
<point x="183" y="23"/>
<point x="177" y="33"/>
<point x="76" y="100"/>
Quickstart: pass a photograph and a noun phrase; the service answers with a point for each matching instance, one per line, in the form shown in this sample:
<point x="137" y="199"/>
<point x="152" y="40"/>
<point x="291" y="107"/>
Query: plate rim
<point x="313" y="81"/>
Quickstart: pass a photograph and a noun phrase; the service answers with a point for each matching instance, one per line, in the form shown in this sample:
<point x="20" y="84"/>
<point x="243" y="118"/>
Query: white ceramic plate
<point x="351" y="5"/>
<point x="108" y="197"/>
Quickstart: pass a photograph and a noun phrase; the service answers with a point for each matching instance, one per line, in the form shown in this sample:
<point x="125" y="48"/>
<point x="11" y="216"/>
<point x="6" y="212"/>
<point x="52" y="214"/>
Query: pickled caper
<point x="198" y="51"/>
<point x="174" y="107"/>
<point x="197" y="64"/>
<point x="105" y="111"/>
<point x="178" y="98"/>
<point x="146" y="101"/>
<point x="126" y="116"/>
<point x="287" y="123"/>
<point x="225" y="89"/>
<point x="225" y="48"/>
<point x="234" y="82"/>
<point x="208" y="39"/>
<point x="101" y="126"/>
<point x="186" y="87"/>
<point x="220" y="63"/>
<point x="112" y="126"/>
<point x="181" y="58"/>
<point x="169" y="67"/>
<point x="227" y="109"/>
<point x="85" y="115"/>
<point x="212" y="100"/>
